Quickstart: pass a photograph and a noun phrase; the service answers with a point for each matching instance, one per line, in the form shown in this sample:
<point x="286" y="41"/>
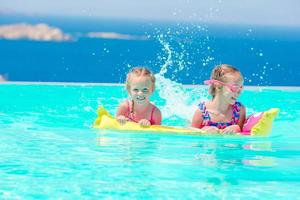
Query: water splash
<point x="180" y="102"/>
<point x="185" y="48"/>
<point x="168" y="58"/>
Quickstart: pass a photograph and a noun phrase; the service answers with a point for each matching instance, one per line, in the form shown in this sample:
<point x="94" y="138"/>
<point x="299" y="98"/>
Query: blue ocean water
<point x="50" y="151"/>
<point x="265" y="55"/>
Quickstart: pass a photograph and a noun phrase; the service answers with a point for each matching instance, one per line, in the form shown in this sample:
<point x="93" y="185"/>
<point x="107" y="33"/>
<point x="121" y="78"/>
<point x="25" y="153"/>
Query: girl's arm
<point x="122" y="109"/>
<point x="157" y="116"/>
<point x="242" y="117"/>
<point x="122" y="112"/>
<point x="197" y="119"/>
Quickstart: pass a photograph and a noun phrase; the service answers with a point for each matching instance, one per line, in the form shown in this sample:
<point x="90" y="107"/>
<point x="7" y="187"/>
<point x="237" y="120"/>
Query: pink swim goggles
<point x="232" y="87"/>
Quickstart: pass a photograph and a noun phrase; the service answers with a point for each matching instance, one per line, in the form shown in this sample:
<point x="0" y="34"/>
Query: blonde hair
<point x="219" y="73"/>
<point x="140" y="71"/>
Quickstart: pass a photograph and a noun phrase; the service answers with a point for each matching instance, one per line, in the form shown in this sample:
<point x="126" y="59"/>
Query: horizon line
<point x="213" y="23"/>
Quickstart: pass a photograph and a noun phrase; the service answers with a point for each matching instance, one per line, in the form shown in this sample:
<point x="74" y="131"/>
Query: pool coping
<point x="121" y="84"/>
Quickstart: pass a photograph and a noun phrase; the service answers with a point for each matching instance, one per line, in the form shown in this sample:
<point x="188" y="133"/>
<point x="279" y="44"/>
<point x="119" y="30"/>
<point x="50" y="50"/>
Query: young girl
<point x="223" y="113"/>
<point x="140" y="85"/>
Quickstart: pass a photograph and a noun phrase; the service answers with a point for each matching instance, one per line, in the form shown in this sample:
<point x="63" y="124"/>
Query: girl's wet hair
<point x="219" y="73"/>
<point x="140" y="71"/>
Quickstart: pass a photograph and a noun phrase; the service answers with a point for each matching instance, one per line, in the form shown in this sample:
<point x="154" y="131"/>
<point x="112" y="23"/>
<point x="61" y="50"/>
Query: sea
<point x="184" y="52"/>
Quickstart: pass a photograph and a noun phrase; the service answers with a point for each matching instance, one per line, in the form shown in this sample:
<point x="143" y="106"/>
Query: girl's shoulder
<point x="154" y="107"/>
<point x="125" y="105"/>
<point x="238" y="107"/>
<point x="238" y="104"/>
<point x="203" y="105"/>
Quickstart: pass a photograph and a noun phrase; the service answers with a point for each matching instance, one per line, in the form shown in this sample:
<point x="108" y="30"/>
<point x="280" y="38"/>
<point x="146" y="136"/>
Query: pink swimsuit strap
<point x="131" y="117"/>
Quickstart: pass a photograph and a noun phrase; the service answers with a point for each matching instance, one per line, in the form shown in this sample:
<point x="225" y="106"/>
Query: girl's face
<point x="233" y="87"/>
<point x="140" y="89"/>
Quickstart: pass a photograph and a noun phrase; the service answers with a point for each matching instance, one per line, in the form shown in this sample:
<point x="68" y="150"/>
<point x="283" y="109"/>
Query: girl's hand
<point x="122" y="119"/>
<point x="231" y="129"/>
<point x="144" y="122"/>
<point x="210" y="129"/>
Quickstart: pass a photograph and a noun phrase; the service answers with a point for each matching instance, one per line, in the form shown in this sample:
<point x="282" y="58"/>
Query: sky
<point x="255" y="12"/>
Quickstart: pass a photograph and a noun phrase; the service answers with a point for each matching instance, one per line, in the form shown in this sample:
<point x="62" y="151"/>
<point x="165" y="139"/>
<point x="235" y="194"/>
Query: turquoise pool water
<point x="50" y="151"/>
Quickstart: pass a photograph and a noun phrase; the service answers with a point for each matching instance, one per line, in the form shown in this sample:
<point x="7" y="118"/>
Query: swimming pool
<point x="49" y="150"/>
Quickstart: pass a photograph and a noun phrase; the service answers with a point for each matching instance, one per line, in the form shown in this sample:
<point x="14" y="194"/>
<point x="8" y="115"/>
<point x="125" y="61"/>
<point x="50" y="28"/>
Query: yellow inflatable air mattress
<point x="260" y="125"/>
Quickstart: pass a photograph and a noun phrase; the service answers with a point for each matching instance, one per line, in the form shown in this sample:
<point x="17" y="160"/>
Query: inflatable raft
<point x="259" y="124"/>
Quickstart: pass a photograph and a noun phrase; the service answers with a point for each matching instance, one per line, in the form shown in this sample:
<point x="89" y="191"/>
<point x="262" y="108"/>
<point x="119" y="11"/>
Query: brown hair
<point x="219" y="73"/>
<point x="140" y="71"/>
